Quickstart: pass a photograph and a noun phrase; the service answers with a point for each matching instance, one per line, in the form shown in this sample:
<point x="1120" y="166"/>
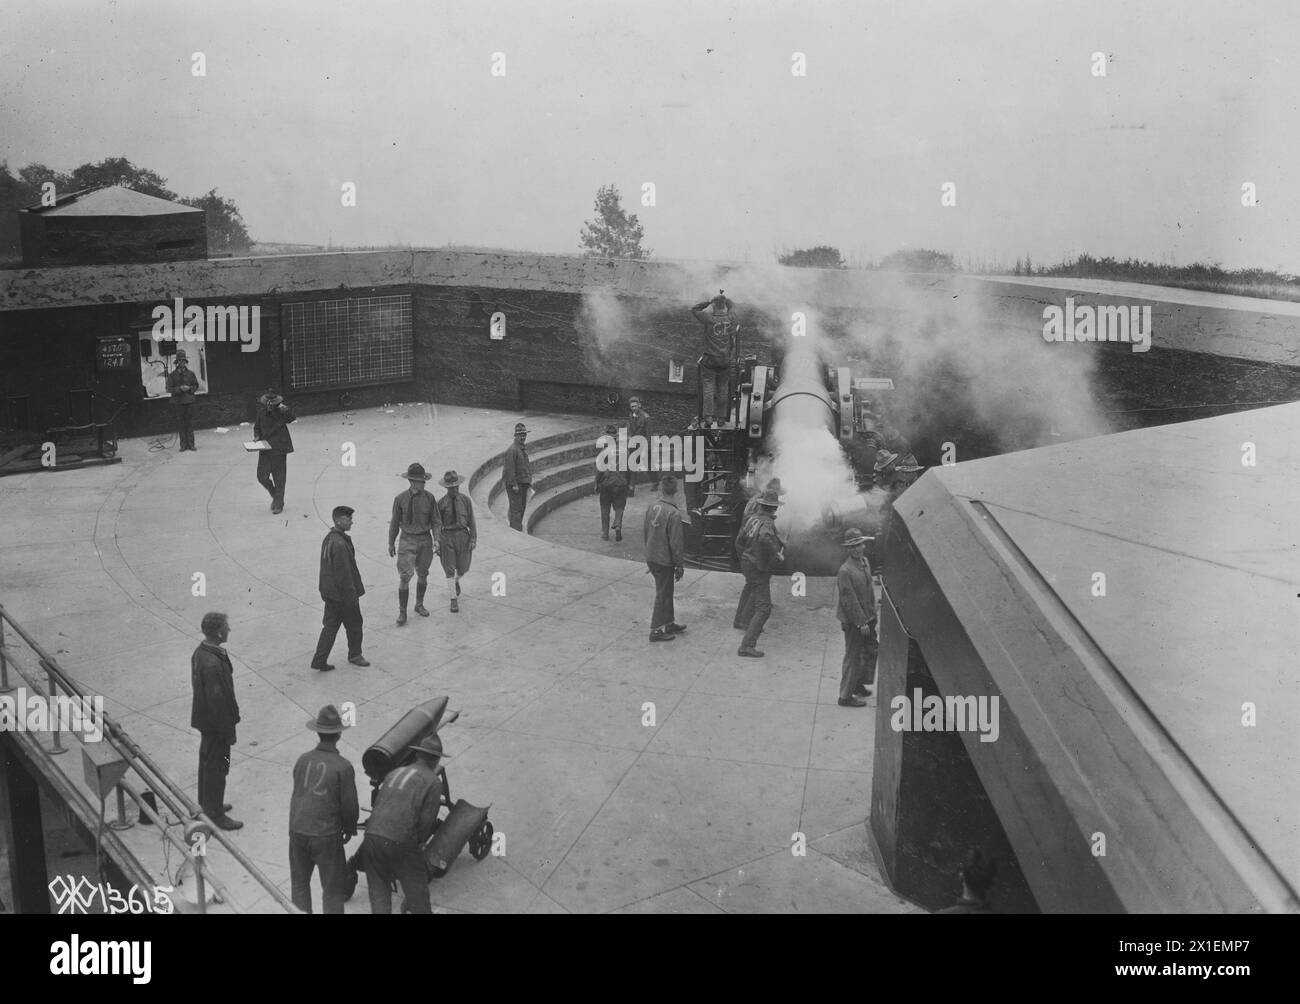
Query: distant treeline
<point x="1211" y="278"/>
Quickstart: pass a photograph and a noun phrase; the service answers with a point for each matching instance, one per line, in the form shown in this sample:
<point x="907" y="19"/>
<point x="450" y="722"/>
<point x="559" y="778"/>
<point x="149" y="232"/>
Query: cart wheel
<point x="481" y="842"/>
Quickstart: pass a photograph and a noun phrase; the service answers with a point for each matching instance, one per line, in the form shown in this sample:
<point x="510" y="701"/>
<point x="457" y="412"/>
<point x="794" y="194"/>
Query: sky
<point x="698" y="97"/>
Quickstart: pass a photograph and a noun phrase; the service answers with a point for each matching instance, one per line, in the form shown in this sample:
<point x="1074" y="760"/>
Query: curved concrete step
<point x="551" y="456"/>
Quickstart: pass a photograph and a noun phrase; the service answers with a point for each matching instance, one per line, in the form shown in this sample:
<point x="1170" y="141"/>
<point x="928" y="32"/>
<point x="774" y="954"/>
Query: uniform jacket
<point x="406" y="804"/>
<point x="458" y="512"/>
<point x="415" y="514"/>
<point x="516" y="470"/>
<point x="639" y="426"/>
<point x="181" y="386"/>
<point x="215" y="708"/>
<point x="339" y="578"/>
<point x="764" y="547"/>
<point x="614" y="482"/>
<point x="663" y="534"/>
<point x="324" y="802"/>
<point x="857" y="600"/>
<point x="271" y="424"/>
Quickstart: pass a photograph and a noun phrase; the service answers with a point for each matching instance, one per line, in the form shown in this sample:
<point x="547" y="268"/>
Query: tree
<point x="117" y="171"/>
<point x="919" y="260"/>
<point x="613" y="233"/>
<point x="226" y="230"/>
<point x="822" y="256"/>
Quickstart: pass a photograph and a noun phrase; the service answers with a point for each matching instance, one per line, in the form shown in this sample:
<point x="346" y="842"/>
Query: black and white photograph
<point x="790" y="457"/>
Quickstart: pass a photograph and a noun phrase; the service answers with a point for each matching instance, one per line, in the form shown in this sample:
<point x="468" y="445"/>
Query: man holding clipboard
<point x="273" y="445"/>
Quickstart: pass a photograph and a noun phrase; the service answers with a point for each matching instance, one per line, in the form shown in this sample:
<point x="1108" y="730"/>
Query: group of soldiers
<point x="420" y="526"/>
<point x="761" y="550"/>
<point x="323" y="809"/>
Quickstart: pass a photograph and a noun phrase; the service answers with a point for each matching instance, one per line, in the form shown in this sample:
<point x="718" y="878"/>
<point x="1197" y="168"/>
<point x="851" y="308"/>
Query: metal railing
<point x="171" y="795"/>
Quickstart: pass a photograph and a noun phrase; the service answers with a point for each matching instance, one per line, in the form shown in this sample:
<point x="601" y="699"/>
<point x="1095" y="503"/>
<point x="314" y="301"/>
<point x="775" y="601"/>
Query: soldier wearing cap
<point x="404" y="817"/>
<point x="760" y="552"/>
<point x="612" y="488"/>
<point x="517" y="476"/>
<point x="459" y="534"/>
<point x="214" y="711"/>
<point x="638" y="424"/>
<point x="181" y="385"/>
<point x="271" y="424"/>
<point x="857" y="615"/>
<point x="665" y="556"/>
<point x="415" y="517"/>
<point x="341" y="589"/>
<point x="323" y="815"/>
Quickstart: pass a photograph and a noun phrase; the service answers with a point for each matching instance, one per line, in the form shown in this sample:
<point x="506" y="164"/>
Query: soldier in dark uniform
<point x="271" y="424"/>
<point x="517" y="476"/>
<point x="612" y="489"/>
<point x="856" y="610"/>
<point x="322" y="816"/>
<point x="751" y="507"/>
<point x="665" y="556"/>
<point x="341" y="589"/>
<point x="715" y="364"/>
<point x="760" y="551"/>
<point x="215" y="713"/>
<point x="181" y="385"/>
<point x="415" y="514"/>
<point x="459" y="534"/>
<point x="638" y="424"/>
<point x="404" y="817"/>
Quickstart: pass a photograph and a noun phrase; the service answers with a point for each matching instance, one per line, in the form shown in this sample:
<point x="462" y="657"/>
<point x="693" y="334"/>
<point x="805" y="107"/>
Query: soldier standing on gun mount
<point x="638" y="424"/>
<point x="405" y="814"/>
<point x="215" y="713"/>
<point x="341" y="589"/>
<point x="715" y="364"/>
<point x="760" y="551"/>
<point x="271" y="425"/>
<point x="612" y="487"/>
<point x="181" y="385"/>
<point x="664" y="555"/>
<point x="857" y="616"/>
<point x="415" y="514"/>
<point x="323" y="815"/>
<point x="517" y="476"/>
<point x="459" y="534"/>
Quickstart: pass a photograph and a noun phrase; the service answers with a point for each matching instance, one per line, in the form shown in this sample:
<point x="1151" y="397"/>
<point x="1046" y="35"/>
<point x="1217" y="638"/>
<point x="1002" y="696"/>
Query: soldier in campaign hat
<point x="760" y="551"/>
<point x="404" y="817"/>
<point x="517" y="476"/>
<point x="459" y="534"/>
<point x="415" y="517"/>
<point x="856" y="611"/>
<point x="323" y="814"/>
<point x="181" y="385"/>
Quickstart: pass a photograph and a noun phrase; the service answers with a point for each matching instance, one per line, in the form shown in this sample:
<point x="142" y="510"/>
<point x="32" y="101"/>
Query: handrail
<point x="156" y="779"/>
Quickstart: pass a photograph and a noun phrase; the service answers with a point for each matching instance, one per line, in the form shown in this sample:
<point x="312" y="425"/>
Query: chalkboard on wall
<point x="113" y="354"/>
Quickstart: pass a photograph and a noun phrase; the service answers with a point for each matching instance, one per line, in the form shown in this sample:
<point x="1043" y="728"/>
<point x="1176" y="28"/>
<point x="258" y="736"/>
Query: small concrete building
<point x="111" y="225"/>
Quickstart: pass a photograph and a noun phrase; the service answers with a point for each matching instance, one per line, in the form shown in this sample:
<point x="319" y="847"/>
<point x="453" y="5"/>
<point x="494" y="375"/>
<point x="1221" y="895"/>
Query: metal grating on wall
<point x="345" y="343"/>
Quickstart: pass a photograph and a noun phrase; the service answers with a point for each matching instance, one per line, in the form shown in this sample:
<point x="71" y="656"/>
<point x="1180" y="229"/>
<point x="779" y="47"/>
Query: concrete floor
<point x="600" y="812"/>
